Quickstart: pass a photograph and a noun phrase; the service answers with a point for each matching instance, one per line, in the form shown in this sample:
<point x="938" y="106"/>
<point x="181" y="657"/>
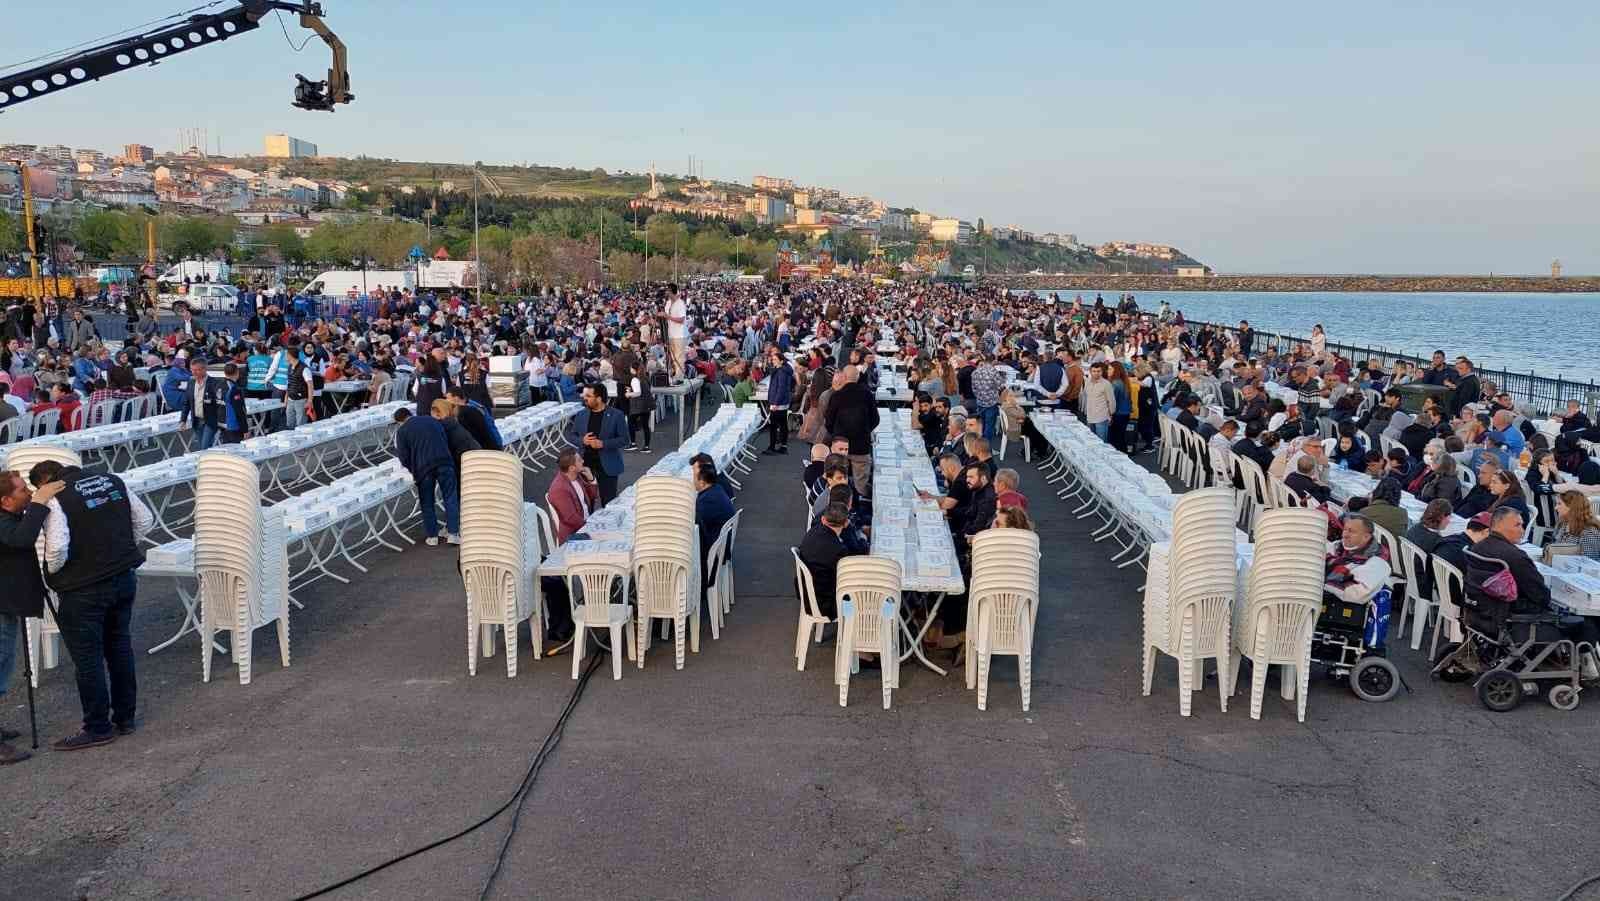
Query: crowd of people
<point x="975" y="357"/>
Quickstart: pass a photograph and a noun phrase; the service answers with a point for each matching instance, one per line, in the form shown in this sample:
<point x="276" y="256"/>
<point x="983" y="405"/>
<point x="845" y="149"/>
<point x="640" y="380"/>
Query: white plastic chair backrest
<point x="1416" y="560"/>
<point x="1467" y="477"/>
<point x="590" y="586"/>
<point x="868" y="582"/>
<point x="662" y="583"/>
<point x="1397" y="565"/>
<point x="229" y="541"/>
<point x="21" y="458"/>
<point x="546" y="532"/>
<point x="45" y="422"/>
<point x="11" y="429"/>
<point x="492" y="512"/>
<point x="1291" y="544"/>
<point x="803" y="583"/>
<point x="1449" y="585"/>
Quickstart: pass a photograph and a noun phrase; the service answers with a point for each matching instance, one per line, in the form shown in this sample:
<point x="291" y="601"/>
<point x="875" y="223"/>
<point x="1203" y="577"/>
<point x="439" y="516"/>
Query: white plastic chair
<point x="1190" y="619"/>
<point x="662" y="581"/>
<point x="500" y="551"/>
<point x="868" y="595"/>
<point x="1284" y="593"/>
<point x="1005" y="607"/>
<point x="1416" y="606"/>
<point x="593" y="582"/>
<point x="1448" y="584"/>
<point x="240" y="559"/>
<point x="811" y="616"/>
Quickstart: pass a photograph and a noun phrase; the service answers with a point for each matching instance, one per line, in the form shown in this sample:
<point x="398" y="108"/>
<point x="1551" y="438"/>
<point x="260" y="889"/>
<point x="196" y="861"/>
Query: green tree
<point x="11" y="239"/>
<point x="290" y="246"/>
<point x="97" y="234"/>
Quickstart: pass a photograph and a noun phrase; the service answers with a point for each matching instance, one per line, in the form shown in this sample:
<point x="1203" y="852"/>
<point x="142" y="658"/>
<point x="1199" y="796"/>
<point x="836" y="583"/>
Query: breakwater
<point x="1454" y="284"/>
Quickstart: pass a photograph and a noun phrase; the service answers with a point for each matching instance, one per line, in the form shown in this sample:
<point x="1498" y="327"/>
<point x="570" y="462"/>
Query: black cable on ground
<point x="1572" y="893"/>
<point x="528" y="779"/>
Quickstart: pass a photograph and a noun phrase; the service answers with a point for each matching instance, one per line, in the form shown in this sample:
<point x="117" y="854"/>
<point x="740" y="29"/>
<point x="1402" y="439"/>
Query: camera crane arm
<point x="151" y="47"/>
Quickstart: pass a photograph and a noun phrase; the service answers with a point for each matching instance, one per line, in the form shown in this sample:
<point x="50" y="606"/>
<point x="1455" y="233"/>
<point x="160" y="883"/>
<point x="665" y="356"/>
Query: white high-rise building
<point x="285" y="147"/>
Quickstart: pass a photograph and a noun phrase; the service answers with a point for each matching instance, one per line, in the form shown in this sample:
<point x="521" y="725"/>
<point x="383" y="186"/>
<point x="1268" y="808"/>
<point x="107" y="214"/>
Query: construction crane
<point x="151" y="47"/>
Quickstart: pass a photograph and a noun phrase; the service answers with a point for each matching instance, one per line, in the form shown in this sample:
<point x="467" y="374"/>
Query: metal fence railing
<point x="1544" y="394"/>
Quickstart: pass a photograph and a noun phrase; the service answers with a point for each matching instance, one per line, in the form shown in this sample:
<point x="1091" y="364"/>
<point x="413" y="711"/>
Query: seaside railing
<point x="1544" y="394"/>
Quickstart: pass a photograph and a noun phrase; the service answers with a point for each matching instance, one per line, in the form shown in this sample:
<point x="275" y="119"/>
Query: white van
<point x="204" y="298"/>
<point x="344" y="282"/>
<point x="197" y="270"/>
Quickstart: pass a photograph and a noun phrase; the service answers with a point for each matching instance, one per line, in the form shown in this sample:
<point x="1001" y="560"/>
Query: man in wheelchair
<point x="1358" y="570"/>
<point x="1514" y="637"/>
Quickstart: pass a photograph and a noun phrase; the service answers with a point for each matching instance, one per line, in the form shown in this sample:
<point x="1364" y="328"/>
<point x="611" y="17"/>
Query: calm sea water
<point x="1550" y="334"/>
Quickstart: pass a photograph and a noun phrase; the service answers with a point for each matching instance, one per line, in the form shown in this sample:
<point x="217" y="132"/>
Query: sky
<point x="1377" y="137"/>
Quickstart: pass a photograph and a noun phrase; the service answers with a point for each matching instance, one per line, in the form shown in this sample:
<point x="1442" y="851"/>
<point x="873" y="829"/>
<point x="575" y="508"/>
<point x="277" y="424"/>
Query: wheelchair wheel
<point x="1500" y="690"/>
<point x="1563" y="697"/>
<point x="1454" y="672"/>
<point x="1375" y="679"/>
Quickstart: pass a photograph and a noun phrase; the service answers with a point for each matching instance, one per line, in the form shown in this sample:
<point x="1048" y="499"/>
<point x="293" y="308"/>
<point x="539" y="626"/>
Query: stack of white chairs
<point x="1283" y="600"/>
<point x="868" y="598"/>
<point x="44" y="637"/>
<point x="666" y="564"/>
<point x="240" y="559"/>
<point x="500" y="549"/>
<point x="1002" y="606"/>
<point x="1191" y="622"/>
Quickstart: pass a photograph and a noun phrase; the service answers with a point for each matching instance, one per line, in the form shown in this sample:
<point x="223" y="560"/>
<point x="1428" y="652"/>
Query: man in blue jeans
<point x="91" y="551"/>
<point x="987" y="381"/>
<point x="205" y="404"/>
<point x="423" y="449"/>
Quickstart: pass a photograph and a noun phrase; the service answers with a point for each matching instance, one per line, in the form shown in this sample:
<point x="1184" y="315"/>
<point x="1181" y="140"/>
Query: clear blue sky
<point x="1260" y="137"/>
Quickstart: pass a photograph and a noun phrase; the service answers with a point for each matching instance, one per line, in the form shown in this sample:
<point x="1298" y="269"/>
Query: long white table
<point x="611" y="527"/>
<point x="683" y="390"/>
<point x="907" y="529"/>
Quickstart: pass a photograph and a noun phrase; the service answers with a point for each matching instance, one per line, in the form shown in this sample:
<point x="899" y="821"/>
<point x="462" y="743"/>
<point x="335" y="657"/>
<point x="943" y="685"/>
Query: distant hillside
<point x="528" y="181"/>
<point x="1020" y="257"/>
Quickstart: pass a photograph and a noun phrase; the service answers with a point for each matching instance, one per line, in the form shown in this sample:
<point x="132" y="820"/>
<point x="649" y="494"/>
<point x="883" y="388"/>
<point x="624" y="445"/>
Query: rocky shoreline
<point x="1380" y="283"/>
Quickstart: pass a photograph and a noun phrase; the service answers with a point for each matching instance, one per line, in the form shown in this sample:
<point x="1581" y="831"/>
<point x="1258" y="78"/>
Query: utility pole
<point x="35" y="287"/>
<point x="477" y="261"/>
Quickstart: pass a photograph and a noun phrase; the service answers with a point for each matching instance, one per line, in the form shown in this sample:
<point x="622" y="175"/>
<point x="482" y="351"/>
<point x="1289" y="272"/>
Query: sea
<point x="1548" y="334"/>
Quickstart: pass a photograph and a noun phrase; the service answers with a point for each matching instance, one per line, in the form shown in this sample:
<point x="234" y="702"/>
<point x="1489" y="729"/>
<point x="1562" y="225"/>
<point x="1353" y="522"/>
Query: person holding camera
<point x="22" y="516"/>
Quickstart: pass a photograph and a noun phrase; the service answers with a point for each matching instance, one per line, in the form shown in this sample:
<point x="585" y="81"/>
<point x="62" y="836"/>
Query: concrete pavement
<point x="739" y="777"/>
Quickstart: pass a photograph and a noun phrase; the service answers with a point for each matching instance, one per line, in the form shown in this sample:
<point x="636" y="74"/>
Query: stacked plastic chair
<point x="1192" y="621"/>
<point x="241" y="560"/>
<point x="1284" y="598"/>
<point x="1003" y="607"/>
<point x="666" y="564"/>
<point x="868" y="597"/>
<point x="500" y="544"/>
<point x="44" y="637"/>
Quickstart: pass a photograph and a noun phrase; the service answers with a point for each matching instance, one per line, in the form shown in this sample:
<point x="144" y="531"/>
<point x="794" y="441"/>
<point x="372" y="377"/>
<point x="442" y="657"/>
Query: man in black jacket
<point x="1250" y="445"/>
<point x="22" y="515"/>
<point x="1303" y="481"/>
<point x="852" y="415"/>
<point x="1466" y="387"/>
<point x="1415" y="437"/>
<point x="92" y="557"/>
<point x="1480" y="497"/>
<point x="821" y="550"/>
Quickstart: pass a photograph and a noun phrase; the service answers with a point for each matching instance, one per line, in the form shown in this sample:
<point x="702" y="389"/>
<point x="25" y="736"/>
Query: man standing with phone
<point x="677" y="330"/>
<point x="600" y="433"/>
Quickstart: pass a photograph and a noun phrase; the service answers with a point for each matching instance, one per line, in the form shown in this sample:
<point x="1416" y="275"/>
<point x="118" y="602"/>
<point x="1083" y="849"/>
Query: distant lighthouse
<point x="1555" y="269"/>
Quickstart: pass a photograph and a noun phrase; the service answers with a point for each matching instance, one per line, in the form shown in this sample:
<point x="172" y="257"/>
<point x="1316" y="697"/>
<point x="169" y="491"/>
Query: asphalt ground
<point x="739" y="777"/>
